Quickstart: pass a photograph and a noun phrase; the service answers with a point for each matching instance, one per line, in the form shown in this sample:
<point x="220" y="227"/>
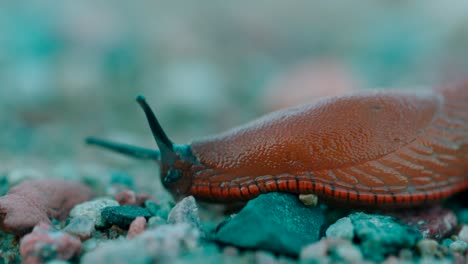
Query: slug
<point x="371" y="149"/>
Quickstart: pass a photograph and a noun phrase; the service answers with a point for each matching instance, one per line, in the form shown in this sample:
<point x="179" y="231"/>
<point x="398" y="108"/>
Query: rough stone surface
<point x="435" y="222"/>
<point x="427" y="247"/>
<point x="459" y="246"/>
<point x="82" y="227"/>
<point x="463" y="234"/>
<point x="136" y="227"/>
<point x="123" y="216"/>
<point x="160" y="245"/>
<point x="35" y="201"/>
<point x="161" y="209"/>
<point x="381" y="236"/>
<point x="331" y="250"/>
<point x="93" y="209"/>
<point x="185" y="211"/>
<point x="276" y="222"/>
<point x="343" y="228"/>
<point x="310" y="200"/>
<point x="45" y="244"/>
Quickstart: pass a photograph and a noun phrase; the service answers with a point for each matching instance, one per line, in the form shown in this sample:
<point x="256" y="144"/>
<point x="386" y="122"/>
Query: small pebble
<point x="406" y="254"/>
<point x="446" y="242"/>
<point x="161" y="209"/>
<point x="463" y="234"/>
<point x="163" y="244"/>
<point x="334" y="250"/>
<point x="44" y="243"/>
<point x="81" y="227"/>
<point x="314" y="251"/>
<point x="136" y="227"/>
<point x="427" y="247"/>
<point x="92" y="209"/>
<point x="264" y="257"/>
<point x="310" y="200"/>
<point x="459" y="246"/>
<point x="185" y="211"/>
<point x="123" y="216"/>
<point x="343" y="228"/>
<point x="347" y="253"/>
<point x="230" y="251"/>
<point x="126" y="197"/>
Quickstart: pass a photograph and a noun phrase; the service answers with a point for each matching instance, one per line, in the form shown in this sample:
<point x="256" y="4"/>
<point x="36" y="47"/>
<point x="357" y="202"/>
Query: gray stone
<point x="347" y="253"/>
<point x="427" y="247"/>
<point x="163" y="244"/>
<point x="463" y="234"/>
<point x="81" y="227"/>
<point x="331" y="250"/>
<point x="185" y="211"/>
<point x="343" y="228"/>
<point x="92" y="209"/>
<point x="276" y="222"/>
<point x="459" y="246"/>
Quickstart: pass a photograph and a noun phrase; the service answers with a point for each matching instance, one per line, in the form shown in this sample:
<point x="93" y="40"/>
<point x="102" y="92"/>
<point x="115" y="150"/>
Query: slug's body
<point x="370" y="149"/>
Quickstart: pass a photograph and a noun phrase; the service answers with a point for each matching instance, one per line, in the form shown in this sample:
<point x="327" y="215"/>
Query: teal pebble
<point x="343" y="228"/>
<point x="157" y="209"/>
<point x="277" y="222"/>
<point x="123" y="216"/>
<point x="381" y="236"/>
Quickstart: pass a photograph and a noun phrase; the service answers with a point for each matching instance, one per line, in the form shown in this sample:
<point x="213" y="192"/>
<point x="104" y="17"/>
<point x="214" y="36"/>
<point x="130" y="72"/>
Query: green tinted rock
<point x="123" y="216"/>
<point x="160" y="209"/>
<point x="381" y="236"/>
<point x="276" y="222"/>
<point x="343" y="228"/>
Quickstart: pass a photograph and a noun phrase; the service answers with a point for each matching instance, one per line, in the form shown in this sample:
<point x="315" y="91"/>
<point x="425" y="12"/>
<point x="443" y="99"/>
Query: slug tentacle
<point x="129" y="150"/>
<point x="165" y="145"/>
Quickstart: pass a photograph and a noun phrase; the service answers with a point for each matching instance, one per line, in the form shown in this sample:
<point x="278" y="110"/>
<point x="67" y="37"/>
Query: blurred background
<point x="70" y="69"/>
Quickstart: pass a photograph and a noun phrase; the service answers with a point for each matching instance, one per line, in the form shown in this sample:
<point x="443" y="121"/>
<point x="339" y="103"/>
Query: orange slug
<point x="371" y="149"/>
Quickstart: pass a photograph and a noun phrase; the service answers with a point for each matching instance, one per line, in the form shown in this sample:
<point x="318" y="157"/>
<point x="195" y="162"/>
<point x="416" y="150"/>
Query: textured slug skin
<point x="381" y="148"/>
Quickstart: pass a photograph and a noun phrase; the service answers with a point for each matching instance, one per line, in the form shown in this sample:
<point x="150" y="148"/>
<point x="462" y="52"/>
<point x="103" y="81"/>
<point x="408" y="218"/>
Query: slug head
<point x="176" y="160"/>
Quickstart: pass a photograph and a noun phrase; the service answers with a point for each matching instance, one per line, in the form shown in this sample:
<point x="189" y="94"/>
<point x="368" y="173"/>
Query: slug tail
<point x="129" y="150"/>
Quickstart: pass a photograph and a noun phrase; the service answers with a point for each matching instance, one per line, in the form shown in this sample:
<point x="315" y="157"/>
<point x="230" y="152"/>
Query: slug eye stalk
<point x="129" y="150"/>
<point x="166" y="153"/>
<point x="165" y="145"/>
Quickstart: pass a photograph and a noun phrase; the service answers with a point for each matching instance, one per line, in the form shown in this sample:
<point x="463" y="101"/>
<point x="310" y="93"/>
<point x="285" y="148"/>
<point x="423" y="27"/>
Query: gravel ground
<point x="71" y="70"/>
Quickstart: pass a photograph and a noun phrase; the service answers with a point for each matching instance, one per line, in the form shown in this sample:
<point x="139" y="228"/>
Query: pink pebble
<point x="35" y="247"/>
<point x="35" y="201"/>
<point x="126" y="197"/>
<point x="136" y="227"/>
